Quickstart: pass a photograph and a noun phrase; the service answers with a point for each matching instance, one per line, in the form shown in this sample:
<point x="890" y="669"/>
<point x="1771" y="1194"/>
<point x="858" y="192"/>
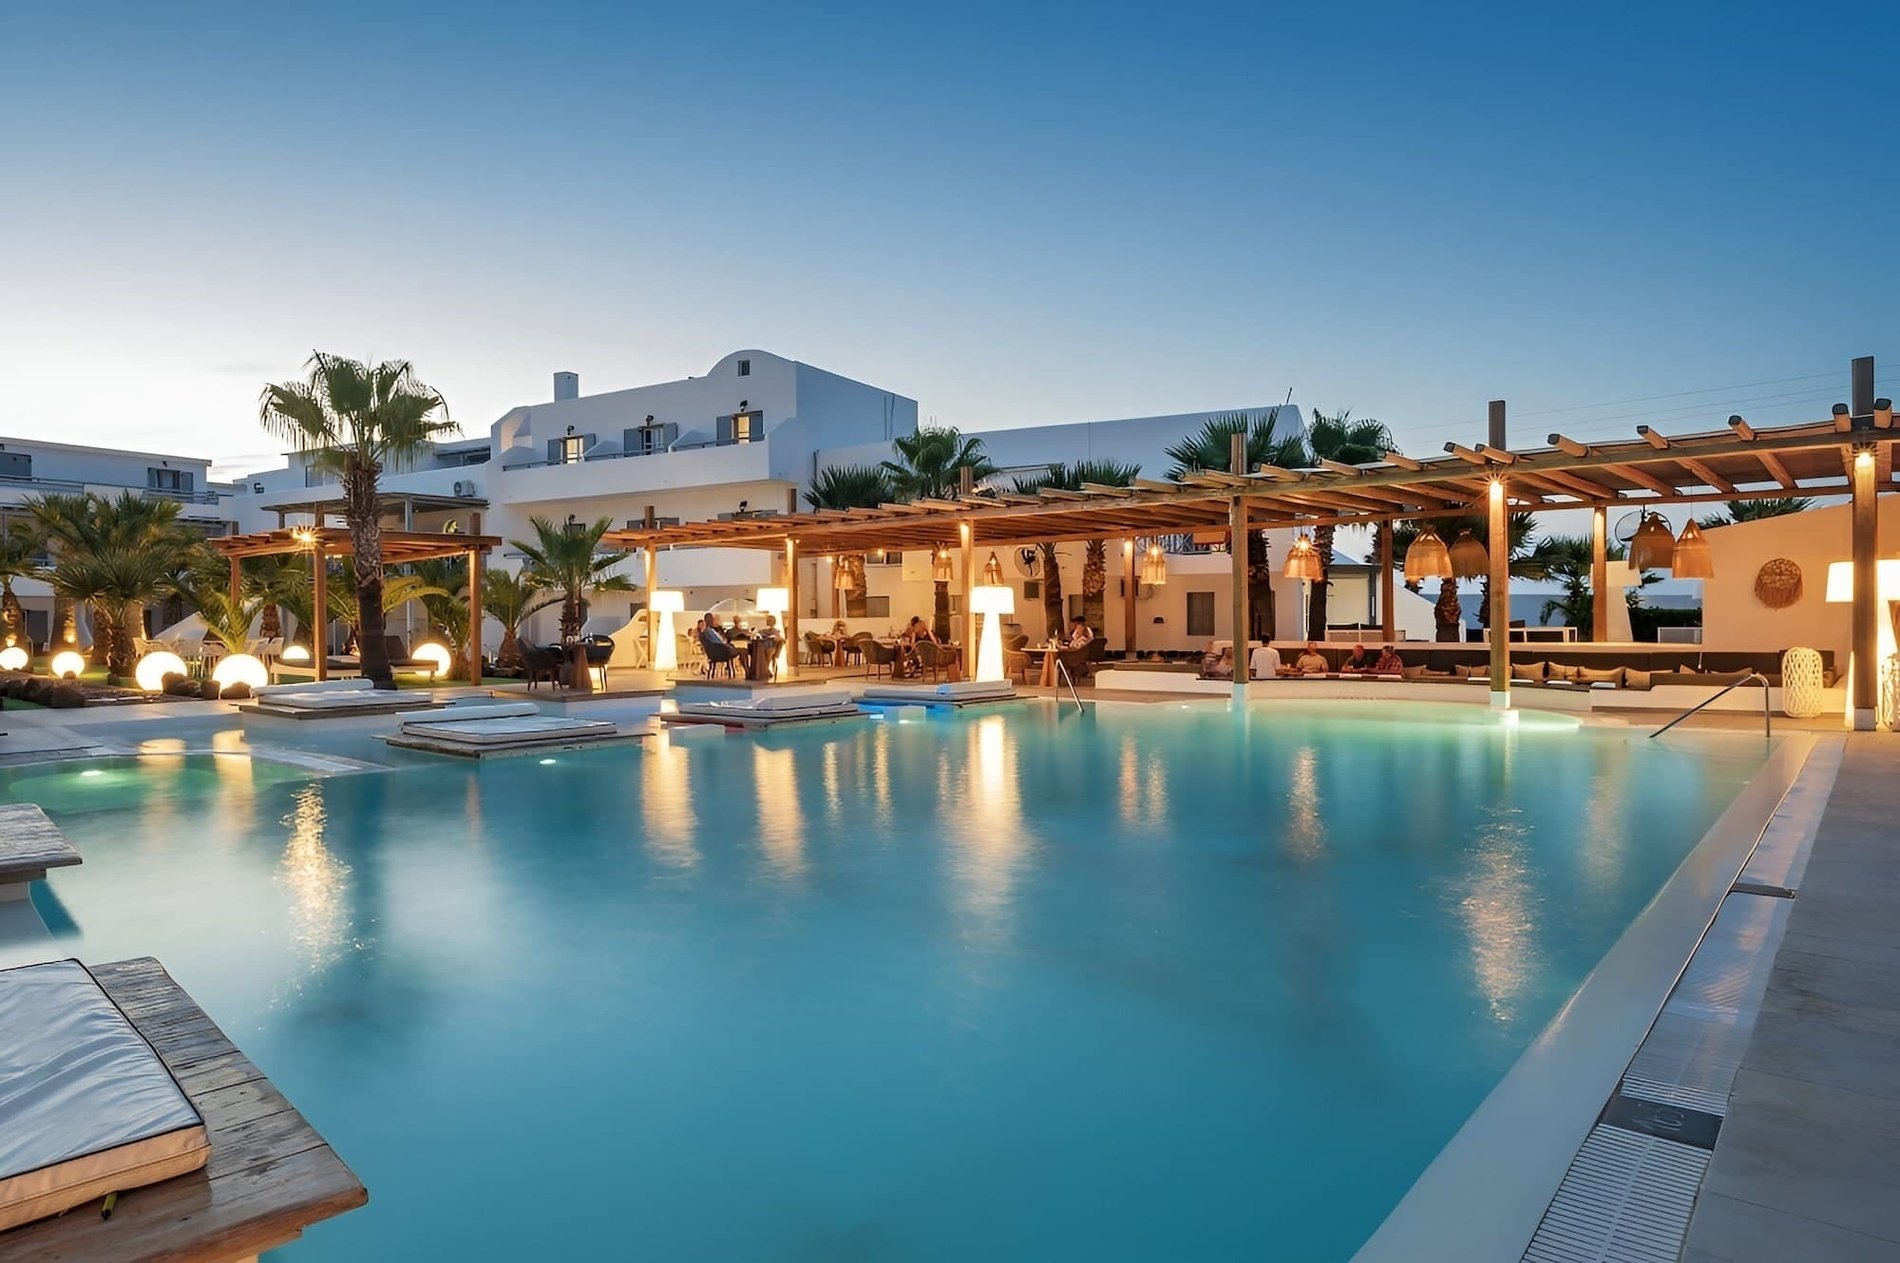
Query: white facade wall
<point x="1732" y="616"/>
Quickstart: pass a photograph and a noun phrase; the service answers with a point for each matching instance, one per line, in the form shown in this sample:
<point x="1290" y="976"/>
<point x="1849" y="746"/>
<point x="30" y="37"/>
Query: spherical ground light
<point x="14" y="658"/>
<point x="154" y="667"/>
<point x="437" y="656"/>
<point x="296" y="653"/>
<point x="240" y="668"/>
<point x="67" y="663"/>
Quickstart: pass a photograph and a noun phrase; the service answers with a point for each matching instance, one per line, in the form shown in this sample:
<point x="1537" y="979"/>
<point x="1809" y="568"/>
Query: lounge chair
<point x="317" y="698"/>
<point x="1015" y="660"/>
<point x="933" y="659"/>
<point x="91" y="1108"/>
<point x="541" y="663"/>
<point x="495" y="729"/>
<point x="719" y="653"/>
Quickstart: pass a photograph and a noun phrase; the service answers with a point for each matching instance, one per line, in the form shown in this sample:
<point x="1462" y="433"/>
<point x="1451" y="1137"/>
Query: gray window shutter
<point x="187" y="481"/>
<point x="554" y="451"/>
<point x="724" y="431"/>
<point x="633" y="440"/>
<point x="587" y="444"/>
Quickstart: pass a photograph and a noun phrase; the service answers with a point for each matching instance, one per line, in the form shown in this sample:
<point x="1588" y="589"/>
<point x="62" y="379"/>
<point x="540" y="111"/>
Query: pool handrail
<point x="1753" y="677"/>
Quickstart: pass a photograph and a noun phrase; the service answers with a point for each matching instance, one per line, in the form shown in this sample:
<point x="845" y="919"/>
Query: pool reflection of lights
<point x="92" y="771"/>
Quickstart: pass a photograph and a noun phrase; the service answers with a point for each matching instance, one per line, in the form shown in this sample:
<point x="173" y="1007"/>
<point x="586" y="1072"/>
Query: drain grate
<point x="1626" y="1198"/>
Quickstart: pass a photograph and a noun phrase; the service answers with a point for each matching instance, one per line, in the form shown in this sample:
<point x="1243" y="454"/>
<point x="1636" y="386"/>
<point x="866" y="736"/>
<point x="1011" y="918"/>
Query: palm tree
<point x="351" y="419"/>
<point x="567" y="559"/>
<point x="1569" y="559"/>
<point x="20" y="549"/>
<point x="1211" y="449"/>
<point x="227" y="619"/>
<point x="511" y="599"/>
<point x="398" y="589"/>
<point x="1351" y="442"/>
<point x="284" y="584"/>
<point x="1526" y="562"/>
<point x="1756" y="510"/>
<point x="851" y="487"/>
<point x="1051" y="563"/>
<point x="930" y="465"/>
<point x="1106" y="473"/>
<point x="116" y="556"/>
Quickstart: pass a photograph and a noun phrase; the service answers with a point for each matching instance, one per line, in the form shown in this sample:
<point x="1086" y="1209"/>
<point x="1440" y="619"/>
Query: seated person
<point x="1218" y="664"/>
<point x="1081" y="636"/>
<point x="914" y="631"/>
<point x="1311" y="661"/>
<point x="1358" y="661"/>
<point x="1389" y="663"/>
<point x="1264" y="663"/>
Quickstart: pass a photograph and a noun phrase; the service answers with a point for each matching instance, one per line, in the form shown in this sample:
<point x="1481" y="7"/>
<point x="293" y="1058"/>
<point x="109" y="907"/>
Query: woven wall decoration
<point x="1778" y="583"/>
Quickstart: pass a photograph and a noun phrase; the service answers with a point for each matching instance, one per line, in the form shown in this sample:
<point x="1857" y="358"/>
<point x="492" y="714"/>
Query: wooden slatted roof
<point x="399" y="547"/>
<point x="1738" y="462"/>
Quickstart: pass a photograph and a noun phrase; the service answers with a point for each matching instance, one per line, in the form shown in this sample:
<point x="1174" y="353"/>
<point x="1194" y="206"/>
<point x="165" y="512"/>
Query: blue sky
<point x="1014" y="214"/>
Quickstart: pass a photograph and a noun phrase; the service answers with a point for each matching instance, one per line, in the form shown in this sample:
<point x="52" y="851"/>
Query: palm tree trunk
<point x="1095" y="584"/>
<point x="65" y="622"/>
<point x="271" y="625"/>
<point x="1051" y="591"/>
<point x="1260" y="606"/>
<point x="12" y="611"/>
<point x="940" y="612"/>
<point x="104" y="628"/>
<point x="366" y="540"/>
<point x="509" y="656"/>
<point x="123" y="658"/>
<point x="571" y="615"/>
<point x="1316" y="600"/>
<point x="1446" y="613"/>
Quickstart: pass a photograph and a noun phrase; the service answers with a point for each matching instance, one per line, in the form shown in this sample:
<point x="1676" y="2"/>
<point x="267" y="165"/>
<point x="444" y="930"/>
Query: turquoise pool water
<point x="1144" y="983"/>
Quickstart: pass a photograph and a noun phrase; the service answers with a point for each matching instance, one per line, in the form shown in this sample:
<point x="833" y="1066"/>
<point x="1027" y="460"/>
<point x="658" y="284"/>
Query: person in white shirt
<point x="1080" y="635"/>
<point x="1264" y="663"/>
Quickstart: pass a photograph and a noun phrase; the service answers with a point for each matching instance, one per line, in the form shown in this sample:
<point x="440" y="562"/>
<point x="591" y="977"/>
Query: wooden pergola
<point x="1849" y="454"/>
<point x="398" y="548"/>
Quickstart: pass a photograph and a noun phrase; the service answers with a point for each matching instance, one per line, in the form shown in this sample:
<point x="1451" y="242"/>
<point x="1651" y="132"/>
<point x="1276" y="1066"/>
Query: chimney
<point x="567" y="386"/>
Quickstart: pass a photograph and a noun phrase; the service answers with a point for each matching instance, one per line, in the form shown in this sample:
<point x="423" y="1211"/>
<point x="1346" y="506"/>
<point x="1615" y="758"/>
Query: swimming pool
<point x="1148" y="982"/>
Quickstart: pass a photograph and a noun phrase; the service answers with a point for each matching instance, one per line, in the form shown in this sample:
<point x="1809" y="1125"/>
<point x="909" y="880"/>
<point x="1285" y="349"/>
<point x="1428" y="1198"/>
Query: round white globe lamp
<point x="68" y="663"/>
<point x="240" y="668"/>
<point x="155" y="666"/>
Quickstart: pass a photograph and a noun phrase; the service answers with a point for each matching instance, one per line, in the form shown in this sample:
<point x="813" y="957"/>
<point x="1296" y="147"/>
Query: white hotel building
<point x="748" y="437"/>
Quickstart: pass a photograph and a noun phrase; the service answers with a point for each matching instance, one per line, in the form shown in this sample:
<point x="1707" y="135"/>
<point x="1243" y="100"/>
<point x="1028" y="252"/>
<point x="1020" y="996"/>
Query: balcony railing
<point x="71" y="486"/>
<point x="595" y="456"/>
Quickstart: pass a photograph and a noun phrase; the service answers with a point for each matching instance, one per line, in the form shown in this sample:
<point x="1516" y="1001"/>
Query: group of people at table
<point x="1265" y="661"/>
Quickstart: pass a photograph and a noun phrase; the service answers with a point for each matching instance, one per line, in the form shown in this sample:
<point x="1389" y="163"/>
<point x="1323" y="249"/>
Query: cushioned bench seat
<point x="776" y="705"/>
<point x="86" y="1107"/>
<point x="509" y="730"/>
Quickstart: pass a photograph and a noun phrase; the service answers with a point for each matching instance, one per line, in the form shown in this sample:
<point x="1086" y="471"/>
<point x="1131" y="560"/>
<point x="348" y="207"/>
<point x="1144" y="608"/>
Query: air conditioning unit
<point x="467" y="490"/>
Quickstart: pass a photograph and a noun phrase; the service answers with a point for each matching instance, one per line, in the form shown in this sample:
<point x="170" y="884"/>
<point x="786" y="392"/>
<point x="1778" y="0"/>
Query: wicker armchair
<point x="879" y="658"/>
<point x="933" y="659"/>
<point x="1015" y="661"/>
<point x="541" y="663"/>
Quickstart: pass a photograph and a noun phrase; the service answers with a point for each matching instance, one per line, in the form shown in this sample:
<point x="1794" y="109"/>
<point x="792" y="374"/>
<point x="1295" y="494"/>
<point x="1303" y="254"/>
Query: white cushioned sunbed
<point x="461" y="714"/>
<point x="356" y="684"/>
<point x="509" y="730"/>
<point x="777" y="705"/>
<point x="86" y="1107"/>
<point x="950" y="691"/>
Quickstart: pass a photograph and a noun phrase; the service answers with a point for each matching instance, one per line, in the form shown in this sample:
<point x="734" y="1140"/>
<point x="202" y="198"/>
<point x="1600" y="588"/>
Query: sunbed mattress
<point x="86" y="1106"/>
<point x="312" y="687"/>
<point x="784" y="709"/>
<point x="949" y="691"/>
<point x="510" y="731"/>
<point x="364" y="699"/>
<point x="461" y="714"/>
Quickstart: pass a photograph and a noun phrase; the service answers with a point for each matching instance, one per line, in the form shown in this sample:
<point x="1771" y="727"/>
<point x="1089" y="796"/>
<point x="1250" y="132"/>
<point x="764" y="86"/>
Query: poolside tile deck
<point x="1808" y="1163"/>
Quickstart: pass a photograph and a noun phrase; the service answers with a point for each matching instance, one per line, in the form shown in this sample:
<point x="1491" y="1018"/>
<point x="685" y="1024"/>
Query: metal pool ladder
<point x="1753" y="677"/>
<point x="1062" y="669"/>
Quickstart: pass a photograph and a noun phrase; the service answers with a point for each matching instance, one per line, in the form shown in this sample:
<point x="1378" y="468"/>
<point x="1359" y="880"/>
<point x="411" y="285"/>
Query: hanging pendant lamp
<point x="1154" y="566"/>
<point x="1694" y="559"/>
<point x="1302" y="561"/>
<point x="1427" y="558"/>
<point x="1469" y="560"/>
<point x="1653" y="547"/>
<point x="941" y="568"/>
<point x="993" y="571"/>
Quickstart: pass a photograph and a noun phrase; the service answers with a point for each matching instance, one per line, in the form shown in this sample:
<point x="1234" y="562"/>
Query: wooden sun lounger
<point x="269" y="1177"/>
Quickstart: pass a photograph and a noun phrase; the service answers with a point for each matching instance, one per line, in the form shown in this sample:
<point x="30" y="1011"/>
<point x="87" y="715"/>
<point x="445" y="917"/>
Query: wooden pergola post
<point x="966" y="576"/>
<point x="1237" y="551"/>
<point x="237" y="587"/>
<point x="1867" y="608"/>
<point x="1128" y="599"/>
<point x="1499" y="550"/>
<point x="475" y="560"/>
<point x="320" y="611"/>
<point x="791" y="610"/>
<point x="1388" y="586"/>
<point x="652" y="555"/>
<point x="1600" y="573"/>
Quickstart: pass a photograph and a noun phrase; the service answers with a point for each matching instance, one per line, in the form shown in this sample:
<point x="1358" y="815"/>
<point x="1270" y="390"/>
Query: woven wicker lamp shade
<point x="1694" y="559"/>
<point x="1653" y="547"/>
<point x="1427" y="558"/>
<point x="1154" y="566"/>
<point x="942" y="568"/>
<point x="1469" y="560"/>
<point x="993" y="572"/>
<point x="1302" y="561"/>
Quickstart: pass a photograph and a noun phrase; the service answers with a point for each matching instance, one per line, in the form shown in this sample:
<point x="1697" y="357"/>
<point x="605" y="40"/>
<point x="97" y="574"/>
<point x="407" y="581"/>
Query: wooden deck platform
<point x="269" y="1177"/>
<point x="29" y="845"/>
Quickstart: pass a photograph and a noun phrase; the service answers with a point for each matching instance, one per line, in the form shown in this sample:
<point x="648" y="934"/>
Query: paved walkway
<point x="1807" y="1167"/>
